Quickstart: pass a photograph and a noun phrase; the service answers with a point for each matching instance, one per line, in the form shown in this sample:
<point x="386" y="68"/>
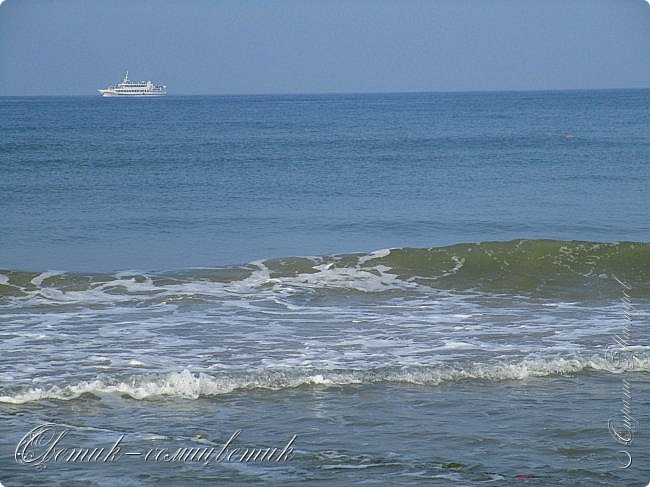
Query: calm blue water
<point x="419" y="287"/>
<point x="94" y="184"/>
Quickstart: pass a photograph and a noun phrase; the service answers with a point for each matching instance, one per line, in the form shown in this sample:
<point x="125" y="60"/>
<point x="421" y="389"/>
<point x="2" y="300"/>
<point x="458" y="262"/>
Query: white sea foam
<point x="373" y="279"/>
<point x="459" y="345"/>
<point x="459" y="263"/>
<point x="377" y="254"/>
<point x="125" y="289"/>
<point x="186" y="384"/>
<point x="38" y="280"/>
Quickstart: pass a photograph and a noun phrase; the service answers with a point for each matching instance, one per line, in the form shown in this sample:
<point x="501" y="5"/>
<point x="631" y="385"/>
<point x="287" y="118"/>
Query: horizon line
<point x="334" y="93"/>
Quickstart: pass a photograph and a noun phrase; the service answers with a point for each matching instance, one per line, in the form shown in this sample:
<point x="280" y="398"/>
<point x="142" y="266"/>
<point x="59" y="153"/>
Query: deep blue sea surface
<point x="423" y="289"/>
<point x="111" y="184"/>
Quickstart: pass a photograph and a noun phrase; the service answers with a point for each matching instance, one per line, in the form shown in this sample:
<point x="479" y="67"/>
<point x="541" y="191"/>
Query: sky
<point x="73" y="47"/>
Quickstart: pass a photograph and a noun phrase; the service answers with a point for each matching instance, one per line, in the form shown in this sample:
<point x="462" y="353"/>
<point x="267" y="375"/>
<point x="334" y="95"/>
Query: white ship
<point x="134" y="88"/>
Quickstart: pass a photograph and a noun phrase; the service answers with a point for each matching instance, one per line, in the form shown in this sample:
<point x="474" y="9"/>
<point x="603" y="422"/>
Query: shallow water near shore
<point x="466" y="433"/>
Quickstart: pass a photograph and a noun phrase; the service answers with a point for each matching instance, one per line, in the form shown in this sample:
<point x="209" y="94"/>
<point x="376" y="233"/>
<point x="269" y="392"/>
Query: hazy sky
<point x="51" y="47"/>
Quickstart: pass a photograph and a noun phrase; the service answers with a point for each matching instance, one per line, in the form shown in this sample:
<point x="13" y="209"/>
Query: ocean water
<point x="398" y="289"/>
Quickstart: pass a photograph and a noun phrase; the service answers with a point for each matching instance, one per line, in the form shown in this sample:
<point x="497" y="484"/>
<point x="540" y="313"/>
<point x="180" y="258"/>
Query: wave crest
<point x="542" y="267"/>
<point x="188" y="385"/>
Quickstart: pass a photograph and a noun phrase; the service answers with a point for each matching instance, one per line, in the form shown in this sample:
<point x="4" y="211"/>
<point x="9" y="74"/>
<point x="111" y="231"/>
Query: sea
<point x="446" y="289"/>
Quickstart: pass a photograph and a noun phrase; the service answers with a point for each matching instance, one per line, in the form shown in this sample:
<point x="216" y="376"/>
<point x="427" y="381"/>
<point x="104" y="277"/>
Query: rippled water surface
<point x="410" y="289"/>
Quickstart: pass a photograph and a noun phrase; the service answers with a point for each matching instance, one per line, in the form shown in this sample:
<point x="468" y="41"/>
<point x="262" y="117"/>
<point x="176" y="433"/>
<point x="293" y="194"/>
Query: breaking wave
<point x="188" y="385"/>
<point x="543" y="267"/>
